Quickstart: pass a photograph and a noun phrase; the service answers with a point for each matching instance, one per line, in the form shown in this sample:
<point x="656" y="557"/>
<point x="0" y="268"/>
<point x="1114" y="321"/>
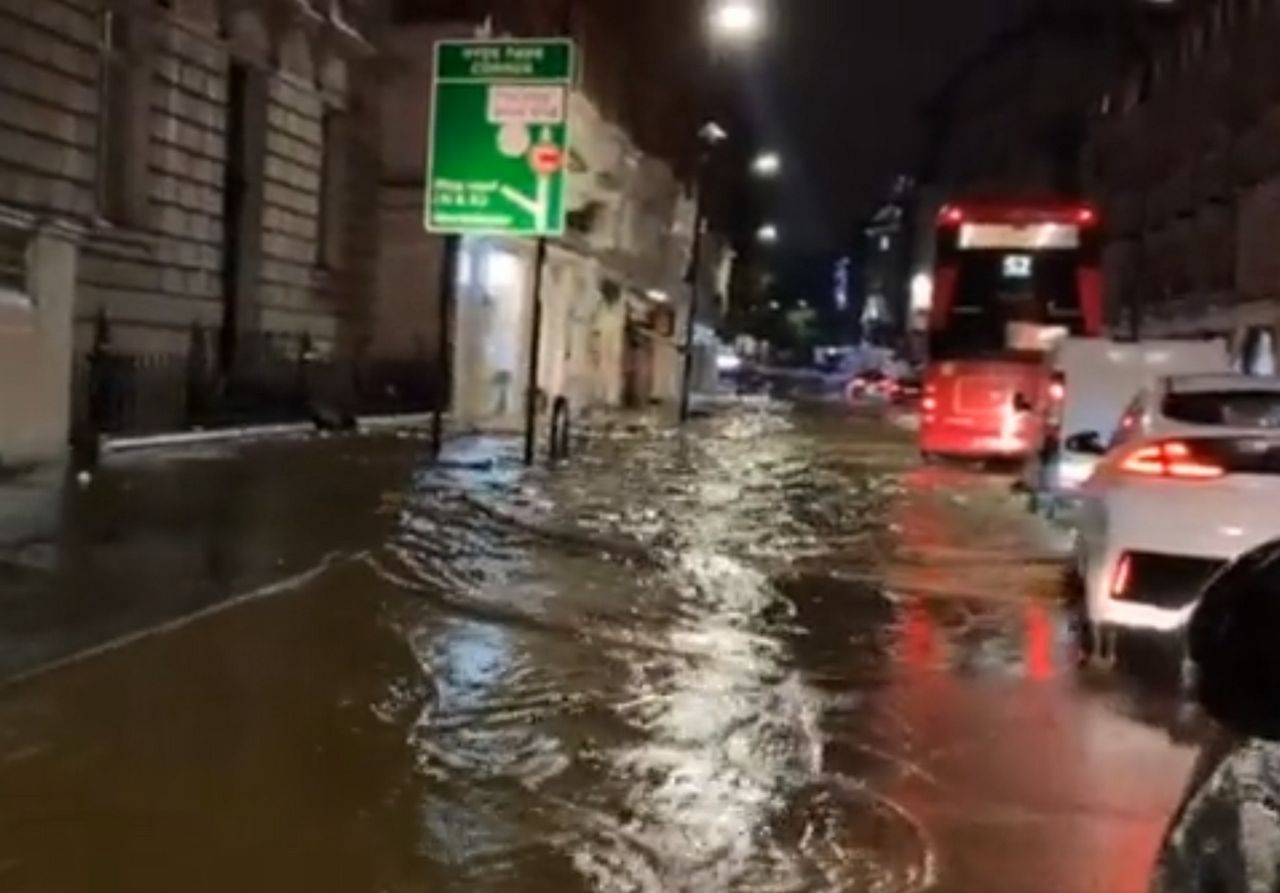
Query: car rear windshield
<point x="1231" y="409"/>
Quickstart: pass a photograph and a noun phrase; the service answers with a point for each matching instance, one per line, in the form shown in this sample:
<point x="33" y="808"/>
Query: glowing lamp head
<point x="737" y="20"/>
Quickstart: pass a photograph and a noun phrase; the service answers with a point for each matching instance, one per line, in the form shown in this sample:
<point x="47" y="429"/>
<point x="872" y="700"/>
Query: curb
<point x="117" y="445"/>
<point x="364" y="424"/>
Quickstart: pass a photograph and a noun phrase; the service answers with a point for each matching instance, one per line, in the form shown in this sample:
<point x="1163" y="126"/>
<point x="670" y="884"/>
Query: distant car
<point x="910" y="390"/>
<point x="872" y="385"/>
<point x="1189" y="481"/>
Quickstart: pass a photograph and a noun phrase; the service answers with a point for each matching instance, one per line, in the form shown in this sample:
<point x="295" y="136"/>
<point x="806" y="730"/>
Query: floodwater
<point x="769" y="655"/>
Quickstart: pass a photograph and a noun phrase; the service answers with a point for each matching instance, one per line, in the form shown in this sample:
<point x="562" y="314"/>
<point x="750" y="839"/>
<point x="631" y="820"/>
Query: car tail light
<point x="1086" y="216"/>
<point x="1122" y="576"/>
<point x="929" y="404"/>
<point x="1172" y="459"/>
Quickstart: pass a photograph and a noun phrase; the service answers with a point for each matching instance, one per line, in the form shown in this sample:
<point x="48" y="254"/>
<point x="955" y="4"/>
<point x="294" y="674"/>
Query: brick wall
<point x="1186" y="157"/>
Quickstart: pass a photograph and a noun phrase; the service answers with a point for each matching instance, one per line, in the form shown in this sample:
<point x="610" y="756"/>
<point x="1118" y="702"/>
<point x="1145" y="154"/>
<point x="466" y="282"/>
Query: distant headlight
<point x="727" y="362"/>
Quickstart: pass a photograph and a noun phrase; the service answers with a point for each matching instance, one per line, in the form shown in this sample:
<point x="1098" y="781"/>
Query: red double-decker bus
<point x="1010" y="279"/>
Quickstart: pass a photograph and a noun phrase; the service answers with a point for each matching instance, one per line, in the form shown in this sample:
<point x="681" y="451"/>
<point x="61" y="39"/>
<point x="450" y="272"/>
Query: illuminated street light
<point x="767" y="164"/>
<point x="737" y="20"/>
<point x="732" y="24"/>
<point x="767" y="234"/>
<point x="712" y="133"/>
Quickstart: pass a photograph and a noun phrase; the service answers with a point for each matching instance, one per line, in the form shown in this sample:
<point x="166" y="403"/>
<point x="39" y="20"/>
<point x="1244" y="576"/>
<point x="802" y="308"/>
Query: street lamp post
<point x="732" y="23"/>
<point x="737" y="20"/>
<point x="711" y="135"/>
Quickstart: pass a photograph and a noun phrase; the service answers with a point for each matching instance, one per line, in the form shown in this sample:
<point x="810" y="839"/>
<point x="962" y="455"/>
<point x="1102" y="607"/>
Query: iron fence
<point x="276" y="378"/>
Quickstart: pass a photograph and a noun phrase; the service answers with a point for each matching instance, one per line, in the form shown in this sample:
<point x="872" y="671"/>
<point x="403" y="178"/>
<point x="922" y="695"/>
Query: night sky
<point x="838" y="87"/>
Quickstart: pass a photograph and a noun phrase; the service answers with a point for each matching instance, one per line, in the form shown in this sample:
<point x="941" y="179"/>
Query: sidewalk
<point x="159" y="536"/>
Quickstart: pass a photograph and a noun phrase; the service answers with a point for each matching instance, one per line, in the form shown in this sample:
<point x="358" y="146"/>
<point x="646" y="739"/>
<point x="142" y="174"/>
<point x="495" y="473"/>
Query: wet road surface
<point x="773" y="655"/>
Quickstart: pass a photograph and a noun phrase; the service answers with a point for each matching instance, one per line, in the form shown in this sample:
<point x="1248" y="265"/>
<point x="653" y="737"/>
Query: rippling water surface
<point x="624" y="675"/>
<point x="676" y="664"/>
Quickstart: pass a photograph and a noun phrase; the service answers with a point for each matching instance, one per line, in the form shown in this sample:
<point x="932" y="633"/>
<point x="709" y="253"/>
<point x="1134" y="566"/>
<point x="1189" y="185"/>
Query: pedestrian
<point x="1225" y="838"/>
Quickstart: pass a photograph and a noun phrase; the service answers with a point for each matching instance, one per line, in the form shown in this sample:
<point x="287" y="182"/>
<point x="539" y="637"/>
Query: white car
<point x="1189" y="482"/>
<point x="1093" y="380"/>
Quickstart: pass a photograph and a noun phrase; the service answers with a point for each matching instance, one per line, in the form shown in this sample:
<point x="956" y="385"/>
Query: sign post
<point x="499" y="150"/>
<point x="499" y="141"/>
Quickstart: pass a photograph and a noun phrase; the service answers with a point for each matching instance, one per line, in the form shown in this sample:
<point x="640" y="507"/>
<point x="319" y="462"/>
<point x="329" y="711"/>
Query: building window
<point x="123" y="122"/>
<point x="331" y="241"/>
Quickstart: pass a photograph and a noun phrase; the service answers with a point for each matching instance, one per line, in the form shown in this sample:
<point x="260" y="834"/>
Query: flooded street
<point x="772" y="654"/>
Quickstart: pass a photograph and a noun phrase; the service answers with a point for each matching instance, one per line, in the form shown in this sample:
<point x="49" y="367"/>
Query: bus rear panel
<point x="1011" y="281"/>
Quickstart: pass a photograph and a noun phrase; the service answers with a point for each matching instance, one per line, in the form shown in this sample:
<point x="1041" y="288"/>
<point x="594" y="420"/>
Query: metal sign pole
<point x="695" y="289"/>
<point x="443" y="371"/>
<point x="535" y="351"/>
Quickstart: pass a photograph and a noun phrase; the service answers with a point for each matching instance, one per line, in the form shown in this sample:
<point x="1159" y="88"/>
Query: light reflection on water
<point x="690" y="756"/>
<point x="732" y="662"/>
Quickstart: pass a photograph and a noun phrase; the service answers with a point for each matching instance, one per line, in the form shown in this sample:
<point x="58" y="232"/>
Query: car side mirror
<point x="1088" y="443"/>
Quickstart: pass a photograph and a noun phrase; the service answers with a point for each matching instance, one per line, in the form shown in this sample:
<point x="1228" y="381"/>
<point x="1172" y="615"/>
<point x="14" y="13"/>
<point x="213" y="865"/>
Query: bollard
<point x="561" y="429"/>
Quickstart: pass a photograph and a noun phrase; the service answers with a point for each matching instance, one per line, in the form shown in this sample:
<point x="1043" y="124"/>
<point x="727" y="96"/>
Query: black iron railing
<point x="276" y="378"/>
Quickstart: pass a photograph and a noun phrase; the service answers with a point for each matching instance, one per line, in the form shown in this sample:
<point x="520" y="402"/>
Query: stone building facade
<point x="204" y="160"/>
<point x="1184" y="153"/>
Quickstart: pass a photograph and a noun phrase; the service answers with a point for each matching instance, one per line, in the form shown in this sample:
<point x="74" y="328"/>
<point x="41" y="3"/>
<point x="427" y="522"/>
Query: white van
<point x="1095" y="380"/>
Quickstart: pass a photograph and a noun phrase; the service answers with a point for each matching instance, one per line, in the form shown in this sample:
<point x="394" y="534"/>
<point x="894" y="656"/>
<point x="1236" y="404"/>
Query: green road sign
<point x="499" y="143"/>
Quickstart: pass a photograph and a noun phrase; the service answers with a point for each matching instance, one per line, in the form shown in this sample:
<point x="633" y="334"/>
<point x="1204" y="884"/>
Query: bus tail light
<point x="1173" y="460"/>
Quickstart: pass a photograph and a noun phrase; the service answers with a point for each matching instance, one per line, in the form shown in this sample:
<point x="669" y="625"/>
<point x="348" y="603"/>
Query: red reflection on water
<point x="1128" y="857"/>
<point x="1039" y="642"/>
<point x="919" y="647"/>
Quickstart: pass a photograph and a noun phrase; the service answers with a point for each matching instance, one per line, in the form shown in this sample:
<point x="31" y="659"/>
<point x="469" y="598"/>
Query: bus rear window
<point x="995" y="289"/>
